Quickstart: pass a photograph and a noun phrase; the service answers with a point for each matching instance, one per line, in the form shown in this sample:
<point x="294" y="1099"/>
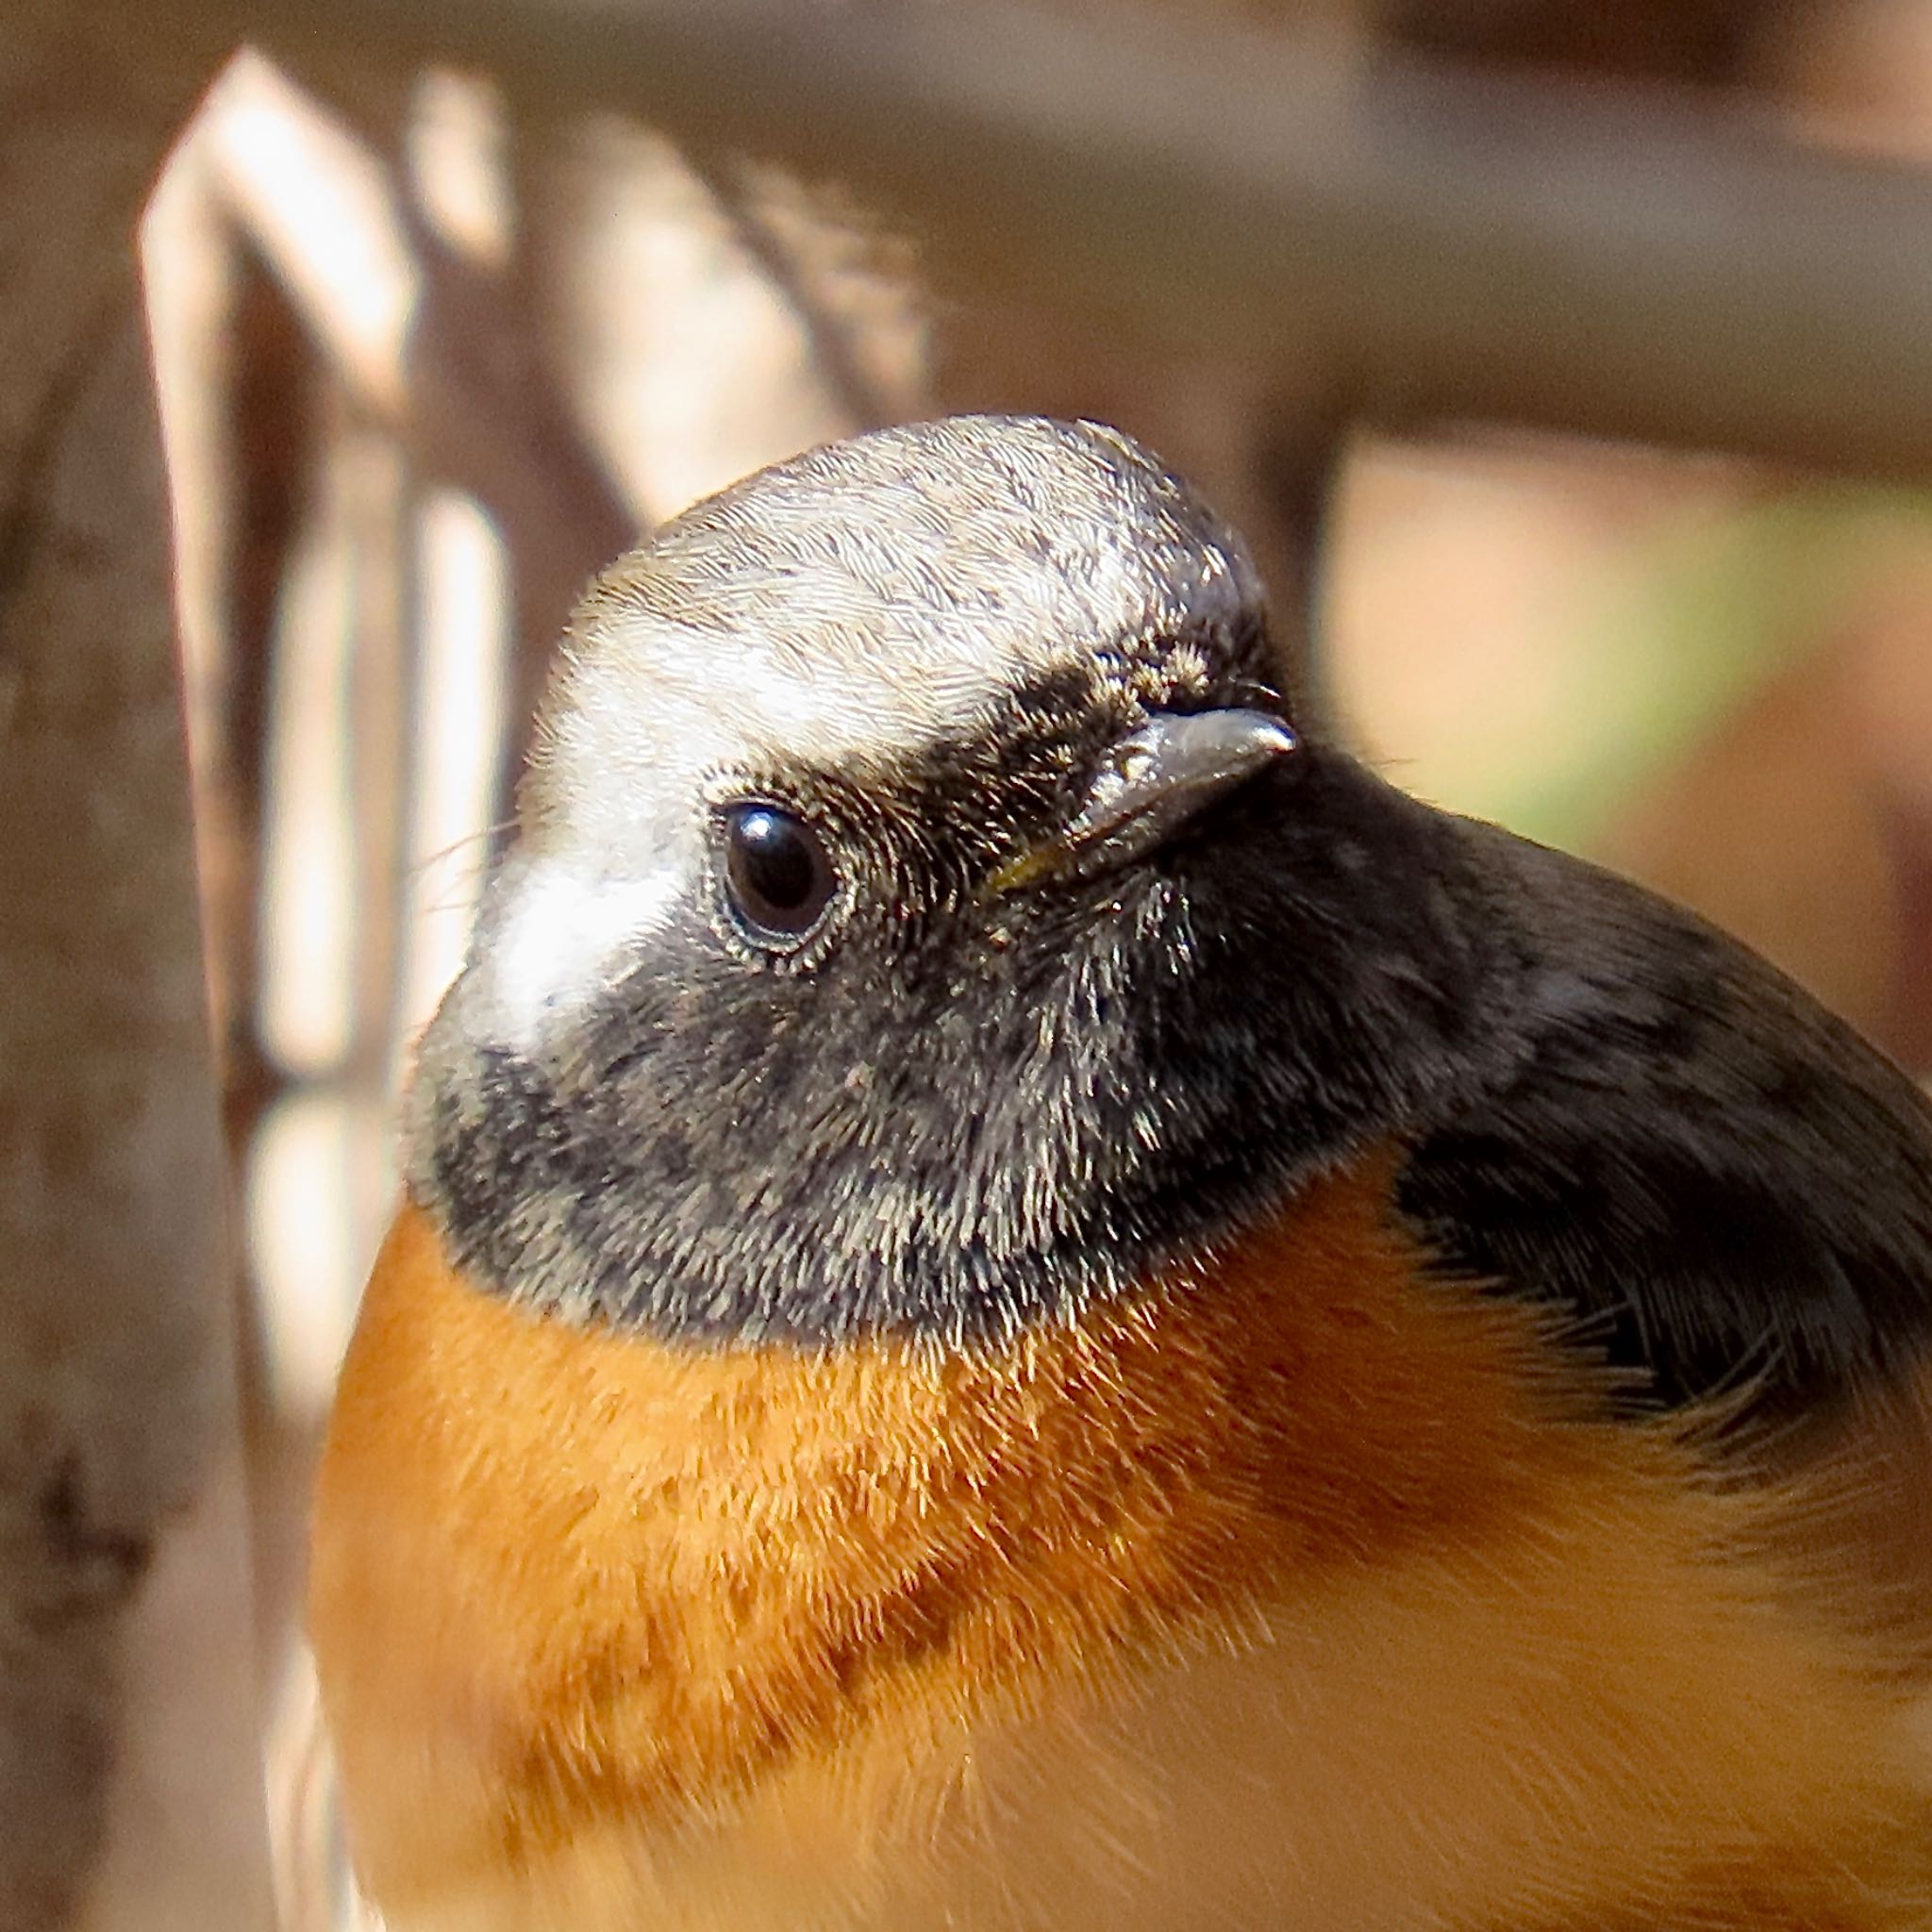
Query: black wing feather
<point x="1724" y="1182"/>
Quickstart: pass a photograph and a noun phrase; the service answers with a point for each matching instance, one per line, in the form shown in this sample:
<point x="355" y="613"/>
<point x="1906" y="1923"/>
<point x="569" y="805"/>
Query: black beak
<point x="1151" y="784"/>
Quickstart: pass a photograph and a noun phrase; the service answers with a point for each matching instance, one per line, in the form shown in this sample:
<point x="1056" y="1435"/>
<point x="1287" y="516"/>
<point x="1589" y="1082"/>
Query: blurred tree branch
<point x="129" y="1792"/>
<point x="1695" y="43"/>
<point x="444" y="360"/>
<point x="1413" y="240"/>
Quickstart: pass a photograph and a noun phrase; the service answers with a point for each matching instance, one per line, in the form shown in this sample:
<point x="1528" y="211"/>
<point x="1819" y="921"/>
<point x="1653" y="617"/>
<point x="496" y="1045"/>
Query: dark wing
<point x="1724" y="1182"/>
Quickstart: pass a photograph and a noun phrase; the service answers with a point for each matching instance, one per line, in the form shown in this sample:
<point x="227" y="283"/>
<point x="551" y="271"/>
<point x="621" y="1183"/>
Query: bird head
<point x="897" y="906"/>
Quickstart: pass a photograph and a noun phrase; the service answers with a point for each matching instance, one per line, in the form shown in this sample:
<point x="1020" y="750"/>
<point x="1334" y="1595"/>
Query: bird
<point x="1025" y="1297"/>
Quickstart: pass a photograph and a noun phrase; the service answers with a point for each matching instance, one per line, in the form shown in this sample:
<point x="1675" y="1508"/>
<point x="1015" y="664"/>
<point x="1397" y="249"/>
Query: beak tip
<point x="1171" y="768"/>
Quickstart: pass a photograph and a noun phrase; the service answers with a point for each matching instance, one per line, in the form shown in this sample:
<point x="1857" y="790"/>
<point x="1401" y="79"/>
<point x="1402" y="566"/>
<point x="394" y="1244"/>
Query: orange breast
<point x="1306" y="1588"/>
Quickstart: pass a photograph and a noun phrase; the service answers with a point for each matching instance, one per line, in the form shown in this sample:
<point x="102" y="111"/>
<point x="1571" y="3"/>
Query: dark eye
<point x="778" y="874"/>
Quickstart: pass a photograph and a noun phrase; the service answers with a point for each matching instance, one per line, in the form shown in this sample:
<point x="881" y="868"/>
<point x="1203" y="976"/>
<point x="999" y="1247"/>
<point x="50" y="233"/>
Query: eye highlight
<point x="777" y="874"/>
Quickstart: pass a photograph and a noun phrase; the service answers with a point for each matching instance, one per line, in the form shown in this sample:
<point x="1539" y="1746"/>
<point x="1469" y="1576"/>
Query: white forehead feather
<point x="866" y="598"/>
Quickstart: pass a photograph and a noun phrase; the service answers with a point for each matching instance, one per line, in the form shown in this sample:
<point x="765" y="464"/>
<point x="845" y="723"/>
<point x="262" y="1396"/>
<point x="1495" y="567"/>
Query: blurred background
<point x="1583" y="459"/>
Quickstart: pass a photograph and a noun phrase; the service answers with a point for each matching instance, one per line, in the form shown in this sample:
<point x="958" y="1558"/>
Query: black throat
<point x="983" y="1123"/>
